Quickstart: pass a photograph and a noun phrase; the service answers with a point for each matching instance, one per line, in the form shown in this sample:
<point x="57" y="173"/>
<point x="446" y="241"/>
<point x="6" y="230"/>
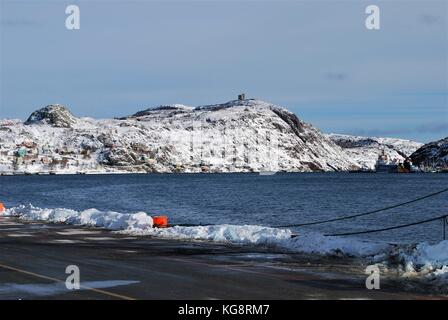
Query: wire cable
<point x="388" y="228"/>
<point x="364" y="213"/>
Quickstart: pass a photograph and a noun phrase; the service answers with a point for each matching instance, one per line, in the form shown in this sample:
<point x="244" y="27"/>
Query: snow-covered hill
<point x="365" y="150"/>
<point x="432" y="155"/>
<point x="238" y="136"/>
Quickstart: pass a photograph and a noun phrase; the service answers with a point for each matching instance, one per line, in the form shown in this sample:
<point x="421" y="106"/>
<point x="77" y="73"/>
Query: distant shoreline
<point x="199" y="173"/>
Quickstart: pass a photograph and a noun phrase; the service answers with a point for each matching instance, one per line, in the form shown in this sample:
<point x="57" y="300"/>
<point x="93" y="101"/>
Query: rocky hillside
<point x="238" y="136"/>
<point x="55" y="115"/>
<point x="365" y="150"/>
<point x="432" y="155"/>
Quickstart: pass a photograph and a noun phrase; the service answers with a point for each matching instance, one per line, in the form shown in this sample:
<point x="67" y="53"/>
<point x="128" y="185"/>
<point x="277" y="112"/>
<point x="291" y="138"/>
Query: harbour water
<point x="251" y="199"/>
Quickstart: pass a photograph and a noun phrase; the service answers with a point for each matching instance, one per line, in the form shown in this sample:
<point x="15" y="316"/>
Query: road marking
<point x="18" y="235"/>
<point x="65" y="241"/>
<point x="76" y="232"/>
<point x="111" y="294"/>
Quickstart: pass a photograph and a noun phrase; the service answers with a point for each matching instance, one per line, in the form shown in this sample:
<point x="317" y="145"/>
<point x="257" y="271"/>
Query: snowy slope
<point x="238" y="136"/>
<point x="365" y="150"/>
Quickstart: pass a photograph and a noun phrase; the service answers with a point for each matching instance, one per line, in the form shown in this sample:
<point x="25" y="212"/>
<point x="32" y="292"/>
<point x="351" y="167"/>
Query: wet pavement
<point x="34" y="258"/>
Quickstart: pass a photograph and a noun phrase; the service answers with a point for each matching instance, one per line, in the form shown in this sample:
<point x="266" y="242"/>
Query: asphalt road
<point x="34" y="258"/>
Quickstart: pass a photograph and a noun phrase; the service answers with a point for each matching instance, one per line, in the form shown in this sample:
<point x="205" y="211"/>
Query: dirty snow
<point x="428" y="261"/>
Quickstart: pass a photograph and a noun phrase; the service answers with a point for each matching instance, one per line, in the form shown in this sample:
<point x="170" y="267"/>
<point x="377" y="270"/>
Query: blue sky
<point x="314" y="57"/>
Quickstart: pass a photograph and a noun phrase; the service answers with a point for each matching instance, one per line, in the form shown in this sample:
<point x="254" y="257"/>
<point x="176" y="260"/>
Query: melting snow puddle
<point x="19" y="235"/>
<point x="74" y="232"/>
<point x="65" y="241"/>
<point x="59" y="288"/>
<point x="99" y="238"/>
<point x="8" y="223"/>
<point x="263" y="256"/>
<point x="39" y="226"/>
<point x="10" y="229"/>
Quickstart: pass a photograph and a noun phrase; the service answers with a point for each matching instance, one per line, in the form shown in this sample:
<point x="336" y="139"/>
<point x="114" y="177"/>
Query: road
<point x="34" y="258"/>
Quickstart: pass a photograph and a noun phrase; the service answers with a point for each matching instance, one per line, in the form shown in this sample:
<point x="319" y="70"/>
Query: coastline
<point x="119" y="172"/>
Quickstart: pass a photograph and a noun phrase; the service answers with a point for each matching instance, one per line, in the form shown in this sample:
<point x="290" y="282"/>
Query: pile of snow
<point x="280" y="239"/>
<point x="425" y="261"/>
<point x="425" y="254"/>
<point x="313" y="242"/>
<point x="421" y="260"/>
<point x="245" y="234"/>
<point x="142" y="224"/>
<point x="92" y="217"/>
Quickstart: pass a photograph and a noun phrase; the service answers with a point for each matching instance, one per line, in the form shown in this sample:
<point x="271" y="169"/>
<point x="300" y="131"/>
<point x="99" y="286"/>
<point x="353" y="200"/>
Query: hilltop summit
<point x="55" y="115"/>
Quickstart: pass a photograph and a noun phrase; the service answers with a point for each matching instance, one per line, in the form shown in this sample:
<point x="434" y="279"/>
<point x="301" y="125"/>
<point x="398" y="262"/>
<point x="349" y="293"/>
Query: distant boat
<point x="385" y="165"/>
<point x="267" y="173"/>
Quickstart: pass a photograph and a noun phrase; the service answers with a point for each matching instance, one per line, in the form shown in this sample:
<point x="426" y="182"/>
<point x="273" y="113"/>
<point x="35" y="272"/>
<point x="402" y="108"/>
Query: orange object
<point x="160" y="221"/>
<point x="2" y="207"/>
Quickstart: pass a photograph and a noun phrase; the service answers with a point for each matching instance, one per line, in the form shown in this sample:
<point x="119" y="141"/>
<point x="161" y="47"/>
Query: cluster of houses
<point x="29" y="154"/>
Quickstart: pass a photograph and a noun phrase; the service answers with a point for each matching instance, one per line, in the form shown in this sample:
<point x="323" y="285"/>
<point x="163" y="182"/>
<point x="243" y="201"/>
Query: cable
<point x="363" y="214"/>
<point x="354" y="216"/>
<point x="388" y="228"/>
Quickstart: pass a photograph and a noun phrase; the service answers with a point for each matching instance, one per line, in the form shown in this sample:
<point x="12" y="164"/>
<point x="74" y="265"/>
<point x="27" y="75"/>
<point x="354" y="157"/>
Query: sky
<point x="316" y="58"/>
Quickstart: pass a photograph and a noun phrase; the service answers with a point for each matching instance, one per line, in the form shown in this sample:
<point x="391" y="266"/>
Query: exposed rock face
<point x="160" y="109"/>
<point x="432" y="155"/>
<point x="55" y="114"/>
<point x="365" y="150"/>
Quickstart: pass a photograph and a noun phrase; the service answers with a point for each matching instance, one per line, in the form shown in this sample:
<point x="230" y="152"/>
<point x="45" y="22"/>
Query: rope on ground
<point x="444" y="217"/>
<point x="364" y="213"/>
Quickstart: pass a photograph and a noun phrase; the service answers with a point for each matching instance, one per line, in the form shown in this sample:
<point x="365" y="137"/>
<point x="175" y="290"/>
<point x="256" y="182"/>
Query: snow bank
<point x="141" y="224"/>
<point x="92" y="217"/>
<point x="421" y="260"/>
<point x="245" y="234"/>
<point x="424" y="254"/>
<point x="312" y="242"/>
<point x="280" y="239"/>
<point x="429" y="262"/>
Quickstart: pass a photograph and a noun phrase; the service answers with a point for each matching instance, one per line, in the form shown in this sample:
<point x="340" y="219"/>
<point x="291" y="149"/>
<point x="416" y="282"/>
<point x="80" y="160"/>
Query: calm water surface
<point x="248" y="198"/>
